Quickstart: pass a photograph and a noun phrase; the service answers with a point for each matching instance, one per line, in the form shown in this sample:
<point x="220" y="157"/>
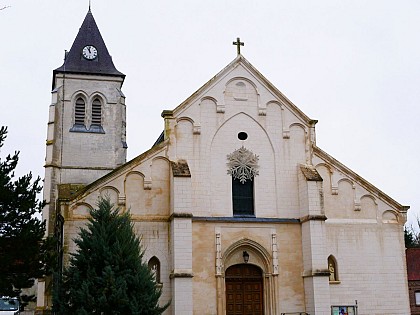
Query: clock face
<point x="89" y="52"/>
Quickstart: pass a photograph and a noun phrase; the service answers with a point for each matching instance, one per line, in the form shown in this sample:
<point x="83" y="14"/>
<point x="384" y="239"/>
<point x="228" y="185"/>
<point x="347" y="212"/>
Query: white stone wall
<point x="365" y="236"/>
<point x="239" y="104"/>
<point x="371" y="267"/>
<point x="86" y="157"/>
<point x="363" y="229"/>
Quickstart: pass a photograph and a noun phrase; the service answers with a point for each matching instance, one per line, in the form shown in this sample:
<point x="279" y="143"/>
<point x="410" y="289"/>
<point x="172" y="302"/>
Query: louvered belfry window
<point x="96" y="112"/>
<point x="79" y="112"/>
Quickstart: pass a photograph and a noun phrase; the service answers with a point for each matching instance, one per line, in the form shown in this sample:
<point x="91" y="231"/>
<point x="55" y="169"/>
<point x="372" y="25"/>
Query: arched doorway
<point x="244" y="290"/>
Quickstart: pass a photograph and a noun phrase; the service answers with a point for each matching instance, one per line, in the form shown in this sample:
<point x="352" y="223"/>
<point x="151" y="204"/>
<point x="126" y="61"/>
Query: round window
<point x="242" y="135"/>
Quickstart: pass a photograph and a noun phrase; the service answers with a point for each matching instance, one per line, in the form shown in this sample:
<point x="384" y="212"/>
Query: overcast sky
<point x="353" y="65"/>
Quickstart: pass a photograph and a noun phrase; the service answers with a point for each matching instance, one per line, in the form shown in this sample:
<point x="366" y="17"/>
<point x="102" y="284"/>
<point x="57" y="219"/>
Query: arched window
<point x="243" y="167"/>
<point x="96" y="112"/>
<point x="332" y="267"/>
<point x="154" y="267"/>
<point x="79" y="112"/>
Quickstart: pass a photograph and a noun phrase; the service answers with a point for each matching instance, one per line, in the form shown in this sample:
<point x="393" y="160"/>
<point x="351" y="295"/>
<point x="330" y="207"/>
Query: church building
<point x="238" y="209"/>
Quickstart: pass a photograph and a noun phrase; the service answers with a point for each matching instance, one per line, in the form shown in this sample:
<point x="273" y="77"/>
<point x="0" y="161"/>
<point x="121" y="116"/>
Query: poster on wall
<point x="343" y="310"/>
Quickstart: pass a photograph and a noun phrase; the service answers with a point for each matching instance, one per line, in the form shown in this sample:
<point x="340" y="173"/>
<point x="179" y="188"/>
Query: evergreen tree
<point x="22" y="248"/>
<point x="412" y="235"/>
<point x="106" y="275"/>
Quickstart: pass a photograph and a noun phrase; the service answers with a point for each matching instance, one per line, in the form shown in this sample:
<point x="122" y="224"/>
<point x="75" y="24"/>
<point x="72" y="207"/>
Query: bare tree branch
<point x="5" y="7"/>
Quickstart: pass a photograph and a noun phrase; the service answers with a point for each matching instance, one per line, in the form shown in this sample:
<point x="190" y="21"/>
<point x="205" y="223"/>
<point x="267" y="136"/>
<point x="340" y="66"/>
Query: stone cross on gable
<point x="238" y="44"/>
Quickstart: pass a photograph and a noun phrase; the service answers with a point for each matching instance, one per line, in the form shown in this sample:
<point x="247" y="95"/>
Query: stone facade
<point x="306" y="206"/>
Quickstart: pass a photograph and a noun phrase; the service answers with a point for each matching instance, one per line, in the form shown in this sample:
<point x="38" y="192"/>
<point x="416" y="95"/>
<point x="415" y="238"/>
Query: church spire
<point x="88" y="54"/>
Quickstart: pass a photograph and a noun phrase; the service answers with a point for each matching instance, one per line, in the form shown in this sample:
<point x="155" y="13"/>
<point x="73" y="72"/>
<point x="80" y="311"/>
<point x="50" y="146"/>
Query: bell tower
<point x="86" y="136"/>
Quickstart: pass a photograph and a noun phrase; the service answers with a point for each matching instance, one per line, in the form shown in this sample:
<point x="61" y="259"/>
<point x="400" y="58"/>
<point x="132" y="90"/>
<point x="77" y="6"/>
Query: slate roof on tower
<point x="75" y="63"/>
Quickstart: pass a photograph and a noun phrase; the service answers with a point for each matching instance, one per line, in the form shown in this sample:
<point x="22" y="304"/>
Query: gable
<point x="240" y="108"/>
<point x="240" y="87"/>
<point x="348" y="195"/>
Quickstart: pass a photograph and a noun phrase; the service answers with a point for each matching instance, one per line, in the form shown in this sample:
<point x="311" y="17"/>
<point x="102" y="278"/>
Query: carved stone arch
<point x="346" y="202"/>
<point x="184" y="118"/>
<point x="162" y="256"/>
<point x="184" y="131"/>
<point x="296" y="124"/>
<point x="160" y="158"/>
<point x="95" y="111"/>
<point x="327" y="166"/>
<point x="134" y="192"/>
<point x="110" y="188"/>
<point x="239" y="91"/>
<point x="274" y="102"/>
<point x="243" y="79"/>
<point x="300" y="150"/>
<point x="209" y="105"/>
<point x="326" y="172"/>
<point x="80" y="209"/>
<point x="79" y="103"/>
<point x="77" y="94"/>
<point x="367" y="205"/>
<point x="390" y="217"/>
<point x="154" y="252"/>
<point x="99" y="95"/>
<point x="159" y="181"/>
<point x="345" y="179"/>
<point x="333" y="269"/>
<point x="133" y="173"/>
<point x="258" y="255"/>
<point x="221" y="183"/>
<point x="234" y="116"/>
<point x="370" y="197"/>
<point x="113" y="195"/>
<point x="208" y="98"/>
<point x="81" y="203"/>
<point x="276" y="118"/>
<point x="154" y="266"/>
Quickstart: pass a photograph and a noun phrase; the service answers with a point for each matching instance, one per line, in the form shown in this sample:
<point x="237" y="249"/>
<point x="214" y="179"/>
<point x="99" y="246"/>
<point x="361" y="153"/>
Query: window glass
<point x="417" y="297"/>
<point x="343" y="310"/>
<point x="243" y="197"/>
<point x="7" y="304"/>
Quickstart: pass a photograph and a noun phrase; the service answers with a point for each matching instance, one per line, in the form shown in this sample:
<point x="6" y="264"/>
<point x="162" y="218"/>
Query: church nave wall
<point x="382" y="270"/>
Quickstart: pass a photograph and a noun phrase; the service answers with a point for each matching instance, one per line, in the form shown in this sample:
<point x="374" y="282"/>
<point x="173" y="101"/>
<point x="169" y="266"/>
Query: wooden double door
<point x="244" y="290"/>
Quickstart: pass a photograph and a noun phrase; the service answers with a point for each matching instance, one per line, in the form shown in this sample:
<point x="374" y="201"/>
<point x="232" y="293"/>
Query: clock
<point x="89" y="52"/>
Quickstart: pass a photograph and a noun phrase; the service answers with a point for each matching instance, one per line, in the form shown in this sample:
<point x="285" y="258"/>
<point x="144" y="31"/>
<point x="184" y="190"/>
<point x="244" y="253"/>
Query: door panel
<point x="244" y="290"/>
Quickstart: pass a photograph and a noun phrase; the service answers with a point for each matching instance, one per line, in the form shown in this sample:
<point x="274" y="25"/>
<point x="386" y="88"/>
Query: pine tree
<point x="106" y="275"/>
<point x="22" y="248"/>
<point x="412" y="235"/>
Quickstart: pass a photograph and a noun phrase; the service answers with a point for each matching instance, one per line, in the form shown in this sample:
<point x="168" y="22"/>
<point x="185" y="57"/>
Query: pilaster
<point x="315" y="274"/>
<point x="181" y="275"/>
<point x="181" y="239"/>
